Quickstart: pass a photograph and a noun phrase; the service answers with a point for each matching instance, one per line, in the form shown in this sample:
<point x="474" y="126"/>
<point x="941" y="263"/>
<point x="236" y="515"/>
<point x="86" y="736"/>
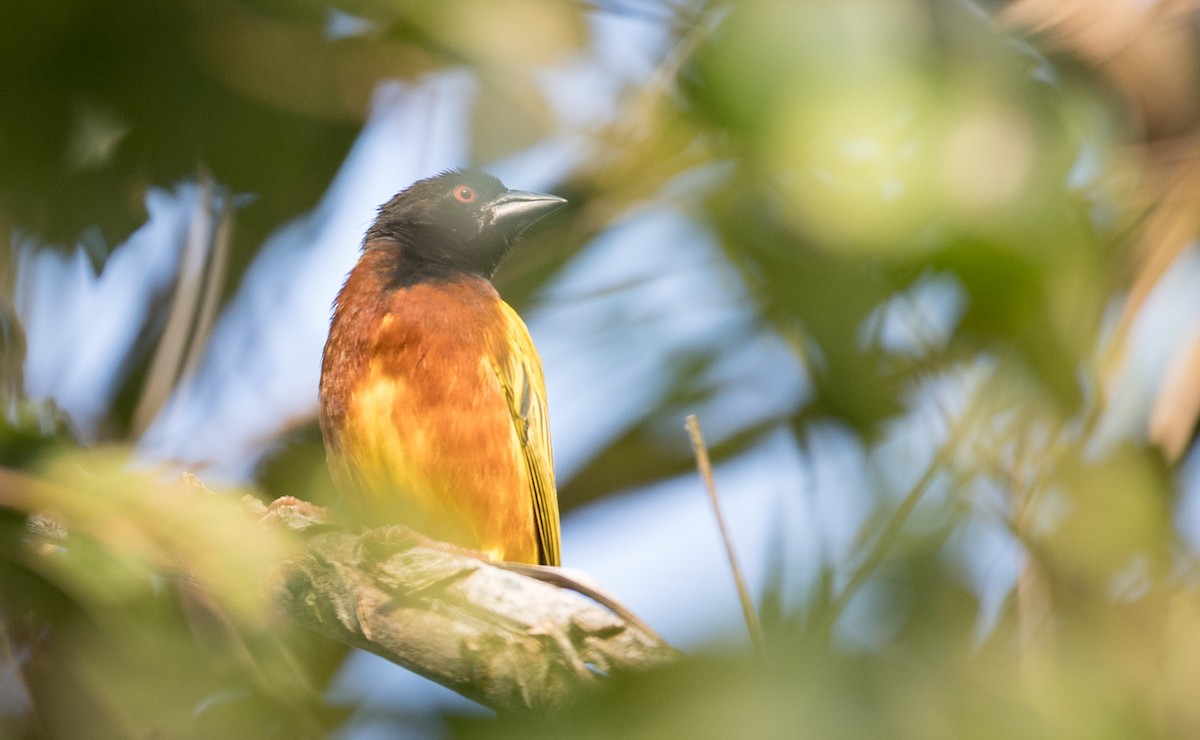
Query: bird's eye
<point x="464" y="193"/>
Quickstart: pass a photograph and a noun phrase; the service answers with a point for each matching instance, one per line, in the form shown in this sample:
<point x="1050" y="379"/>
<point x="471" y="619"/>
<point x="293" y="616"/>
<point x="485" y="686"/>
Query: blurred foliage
<point x="842" y="155"/>
<point x="875" y="144"/>
<point x="139" y="608"/>
<point x="103" y="99"/>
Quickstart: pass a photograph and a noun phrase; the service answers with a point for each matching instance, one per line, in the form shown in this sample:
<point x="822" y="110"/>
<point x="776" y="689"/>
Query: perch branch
<point x="508" y="641"/>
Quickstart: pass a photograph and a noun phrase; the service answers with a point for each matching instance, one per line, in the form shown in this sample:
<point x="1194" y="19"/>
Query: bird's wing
<point x="521" y="376"/>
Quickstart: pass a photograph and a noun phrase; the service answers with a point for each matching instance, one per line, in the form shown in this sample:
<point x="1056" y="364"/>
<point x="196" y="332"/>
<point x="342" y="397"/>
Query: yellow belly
<point x="439" y="453"/>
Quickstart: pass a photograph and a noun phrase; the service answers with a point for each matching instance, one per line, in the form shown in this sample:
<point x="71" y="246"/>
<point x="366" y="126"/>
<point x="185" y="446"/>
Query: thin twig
<point x="705" y="467"/>
<point x="169" y="356"/>
<point x="885" y="539"/>
<point x="214" y="282"/>
<point x="896" y="522"/>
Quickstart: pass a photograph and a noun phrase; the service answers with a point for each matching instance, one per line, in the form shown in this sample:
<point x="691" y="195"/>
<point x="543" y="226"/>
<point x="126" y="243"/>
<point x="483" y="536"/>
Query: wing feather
<point x="524" y="386"/>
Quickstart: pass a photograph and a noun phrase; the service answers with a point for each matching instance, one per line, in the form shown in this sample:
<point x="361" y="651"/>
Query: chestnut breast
<point x="415" y="418"/>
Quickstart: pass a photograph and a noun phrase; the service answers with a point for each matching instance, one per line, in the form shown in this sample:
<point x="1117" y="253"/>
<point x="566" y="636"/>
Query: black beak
<point x="517" y="210"/>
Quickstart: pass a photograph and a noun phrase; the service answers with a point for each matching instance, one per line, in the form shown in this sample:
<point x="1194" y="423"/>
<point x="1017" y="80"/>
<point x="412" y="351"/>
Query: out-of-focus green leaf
<point x="1108" y="518"/>
<point x="104" y="99"/>
<point x="818" y="301"/>
<point x="122" y="99"/>
<point x="1099" y="673"/>
<point x="878" y="140"/>
<point x="32" y="431"/>
<point x="151" y="616"/>
<point x="125" y="527"/>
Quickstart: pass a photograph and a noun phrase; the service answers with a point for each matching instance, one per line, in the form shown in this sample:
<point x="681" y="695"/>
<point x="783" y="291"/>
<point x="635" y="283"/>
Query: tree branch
<point x="503" y="639"/>
<point x="507" y="640"/>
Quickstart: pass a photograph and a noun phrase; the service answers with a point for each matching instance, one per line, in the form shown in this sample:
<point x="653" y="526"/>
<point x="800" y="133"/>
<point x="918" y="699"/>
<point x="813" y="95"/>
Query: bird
<point x="432" y="396"/>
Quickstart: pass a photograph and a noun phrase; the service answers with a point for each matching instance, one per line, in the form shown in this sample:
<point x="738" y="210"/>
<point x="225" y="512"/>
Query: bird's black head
<point x="455" y="222"/>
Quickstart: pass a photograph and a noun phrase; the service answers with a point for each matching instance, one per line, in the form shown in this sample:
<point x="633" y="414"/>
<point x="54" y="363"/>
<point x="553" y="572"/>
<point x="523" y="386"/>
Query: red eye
<point x="464" y="193"/>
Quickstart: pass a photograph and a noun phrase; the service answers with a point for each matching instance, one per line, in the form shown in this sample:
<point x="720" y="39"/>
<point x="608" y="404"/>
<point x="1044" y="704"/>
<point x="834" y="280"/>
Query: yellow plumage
<point x="525" y="390"/>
